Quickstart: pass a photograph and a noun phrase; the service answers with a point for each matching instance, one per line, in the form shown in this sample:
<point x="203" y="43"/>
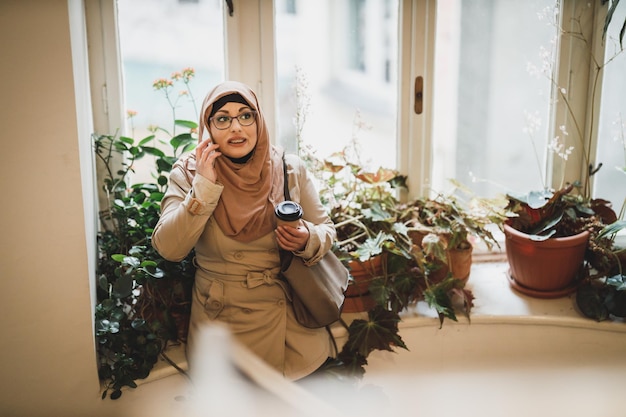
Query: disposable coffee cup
<point x="288" y="213"/>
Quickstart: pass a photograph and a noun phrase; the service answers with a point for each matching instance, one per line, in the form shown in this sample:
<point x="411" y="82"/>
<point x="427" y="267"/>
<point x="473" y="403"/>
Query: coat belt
<point x="256" y="279"/>
<point x="252" y="279"/>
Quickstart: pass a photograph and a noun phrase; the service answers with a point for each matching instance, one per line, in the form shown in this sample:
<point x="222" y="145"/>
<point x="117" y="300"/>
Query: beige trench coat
<point x="236" y="283"/>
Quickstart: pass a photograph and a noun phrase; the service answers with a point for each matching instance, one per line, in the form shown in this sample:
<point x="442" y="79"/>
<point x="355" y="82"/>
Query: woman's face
<point x="236" y="140"/>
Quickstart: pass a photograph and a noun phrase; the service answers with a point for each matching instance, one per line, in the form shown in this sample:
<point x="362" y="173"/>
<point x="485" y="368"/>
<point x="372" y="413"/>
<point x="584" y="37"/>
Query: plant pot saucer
<point x="562" y="292"/>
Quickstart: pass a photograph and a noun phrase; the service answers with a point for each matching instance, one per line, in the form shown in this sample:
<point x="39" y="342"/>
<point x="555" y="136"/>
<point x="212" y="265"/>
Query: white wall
<point x="47" y="357"/>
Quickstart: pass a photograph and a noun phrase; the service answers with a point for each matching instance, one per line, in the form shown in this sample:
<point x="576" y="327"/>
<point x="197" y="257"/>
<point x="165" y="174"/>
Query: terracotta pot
<point x="362" y="274"/>
<point x="459" y="264"/>
<point x="357" y="294"/>
<point x="544" y="269"/>
<point x="358" y="304"/>
<point x="417" y="237"/>
<point x="459" y="261"/>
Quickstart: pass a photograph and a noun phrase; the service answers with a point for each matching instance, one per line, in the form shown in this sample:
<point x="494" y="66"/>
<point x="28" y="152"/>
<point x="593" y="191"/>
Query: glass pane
<point x="338" y="59"/>
<point x="610" y="181"/>
<point x="491" y="107"/>
<point x="159" y="38"/>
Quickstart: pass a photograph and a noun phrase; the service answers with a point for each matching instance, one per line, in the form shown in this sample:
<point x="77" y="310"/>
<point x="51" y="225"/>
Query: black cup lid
<point x="288" y="211"/>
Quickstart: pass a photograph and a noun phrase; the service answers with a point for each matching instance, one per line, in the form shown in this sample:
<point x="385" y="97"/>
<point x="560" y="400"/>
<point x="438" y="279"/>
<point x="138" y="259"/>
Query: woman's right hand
<point x="206" y="153"/>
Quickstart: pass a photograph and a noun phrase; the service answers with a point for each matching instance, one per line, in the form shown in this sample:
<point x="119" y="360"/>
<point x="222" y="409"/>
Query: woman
<point x="221" y="201"/>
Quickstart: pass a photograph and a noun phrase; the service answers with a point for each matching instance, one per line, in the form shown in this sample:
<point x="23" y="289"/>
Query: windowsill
<point x="494" y="302"/>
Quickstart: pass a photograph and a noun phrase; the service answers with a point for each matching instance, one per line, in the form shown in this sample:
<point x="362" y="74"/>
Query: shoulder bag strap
<point x="286" y="182"/>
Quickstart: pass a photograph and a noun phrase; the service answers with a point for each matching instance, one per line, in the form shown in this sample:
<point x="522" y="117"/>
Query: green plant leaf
<point x="590" y="301"/>
<point x="153" y="349"/>
<point x="612" y="228"/>
<point x="164" y="164"/>
<point x="401" y="228"/>
<point x="136" y="251"/>
<point x="373" y="246"/>
<point x="105" y="326"/>
<point x="188" y="147"/>
<point x="379" y="332"/>
<point x="434" y="247"/>
<point x="153" y="151"/>
<point x="617" y="282"/>
<point x="156" y="196"/>
<point x="131" y="261"/>
<point x="154" y="272"/>
<point x="118" y="314"/>
<point x="534" y="199"/>
<point x="438" y="297"/>
<point x="181" y="139"/>
<point x="542" y="228"/>
<point x="139" y="198"/>
<point x="108" y="304"/>
<point x="541" y="238"/>
<point x="138" y="324"/>
<point x="103" y="282"/>
<point x="145" y="140"/>
<point x="376" y="213"/>
<point x="186" y="123"/>
<point x="615" y="298"/>
<point x="118" y="257"/>
<point x="123" y="287"/>
<point x="127" y="140"/>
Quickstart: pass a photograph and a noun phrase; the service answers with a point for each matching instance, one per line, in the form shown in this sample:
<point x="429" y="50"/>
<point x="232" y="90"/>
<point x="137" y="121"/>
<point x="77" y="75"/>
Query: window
<point x="485" y="97"/>
<point x="157" y="39"/>
<point x="359" y="59"/>
<point x="341" y="55"/>
<point x="160" y="37"/>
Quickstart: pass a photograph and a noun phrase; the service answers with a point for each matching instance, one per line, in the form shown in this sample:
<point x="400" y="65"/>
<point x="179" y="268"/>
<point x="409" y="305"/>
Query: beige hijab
<point x="245" y="211"/>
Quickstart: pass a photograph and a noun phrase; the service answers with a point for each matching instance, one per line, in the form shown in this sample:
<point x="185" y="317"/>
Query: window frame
<point x="250" y="30"/>
<point x="575" y="69"/>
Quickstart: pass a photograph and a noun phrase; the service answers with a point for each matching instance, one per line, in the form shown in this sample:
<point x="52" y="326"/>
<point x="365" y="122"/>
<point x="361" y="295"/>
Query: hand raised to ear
<point x="206" y="153"/>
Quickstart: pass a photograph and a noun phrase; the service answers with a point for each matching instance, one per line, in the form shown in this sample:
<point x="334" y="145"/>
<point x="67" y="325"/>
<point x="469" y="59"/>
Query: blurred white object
<point x="229" y="380"/>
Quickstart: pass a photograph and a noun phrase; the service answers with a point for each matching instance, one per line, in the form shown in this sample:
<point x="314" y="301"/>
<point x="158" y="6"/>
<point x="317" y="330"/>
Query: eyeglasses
<point x="224" y="122"/>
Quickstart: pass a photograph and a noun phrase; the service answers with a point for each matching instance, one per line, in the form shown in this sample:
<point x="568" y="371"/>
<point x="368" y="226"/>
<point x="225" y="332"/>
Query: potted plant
<point x="547" y="237"/>
<point x="601" y="294"/>
<point x="554" y="237"/>
<point x="445" y="226"/>
<point x="445" y="229"/>
<point x="143" y="301"/>
<point x="389" y="269"/>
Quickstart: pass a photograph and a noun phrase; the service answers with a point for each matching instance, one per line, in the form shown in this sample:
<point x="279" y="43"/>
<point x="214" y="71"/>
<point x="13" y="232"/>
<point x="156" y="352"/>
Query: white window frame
<point x="575" y="68"/>
<point x="250" y="51"/>
<point x="250" y="57"/>
<point x="417" y="56"/>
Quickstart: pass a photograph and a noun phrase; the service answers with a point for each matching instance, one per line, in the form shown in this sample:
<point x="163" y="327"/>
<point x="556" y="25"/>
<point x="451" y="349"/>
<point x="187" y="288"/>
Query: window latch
<point x="419" y="94"/>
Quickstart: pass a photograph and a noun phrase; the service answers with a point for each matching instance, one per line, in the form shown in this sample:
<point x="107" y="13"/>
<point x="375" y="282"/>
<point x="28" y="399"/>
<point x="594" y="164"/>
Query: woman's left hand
<point x="292" y="238"/>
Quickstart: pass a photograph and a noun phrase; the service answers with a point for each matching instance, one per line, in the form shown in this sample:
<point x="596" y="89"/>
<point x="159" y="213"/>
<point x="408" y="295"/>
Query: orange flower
<point x="188" y="73"/>
<point x="162" y="83"/>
